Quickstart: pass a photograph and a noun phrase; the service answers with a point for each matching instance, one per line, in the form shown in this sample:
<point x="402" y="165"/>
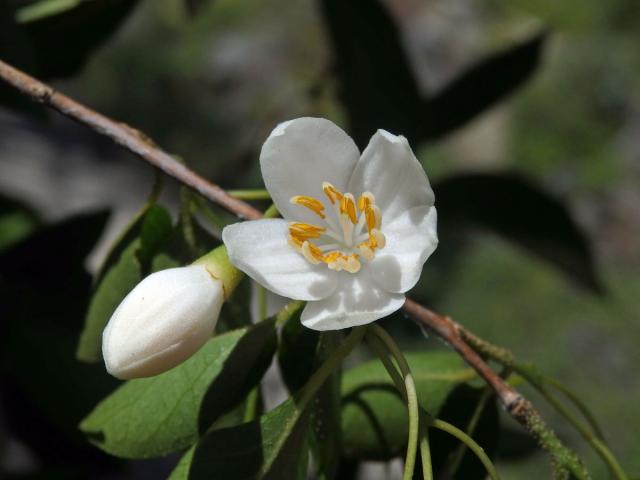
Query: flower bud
<point x="164" y="320"/>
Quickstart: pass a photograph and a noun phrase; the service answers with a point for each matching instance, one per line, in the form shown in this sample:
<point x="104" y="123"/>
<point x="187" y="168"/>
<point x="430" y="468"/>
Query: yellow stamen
<point x="378" y="214"/>
<point x="366" y="199"/>
<point x="372" y="215"/>
<point x="379" y="238"/>
<point x="296" y="243"/>
<point x="311" y="203"/>
<point x="331" y="192"/>
<point x="311" y="253"/>
<point x="352" y="216"/>
<point x="366" y="251"/>
<point x="348" y="207"/>
<point x="305" y="231"/>
<point x="332" y="256"/>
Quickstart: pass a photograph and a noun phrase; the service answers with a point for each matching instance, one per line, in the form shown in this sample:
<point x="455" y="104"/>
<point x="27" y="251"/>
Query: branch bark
<point x="563" y="459"/>
<point x="129" y="138"/>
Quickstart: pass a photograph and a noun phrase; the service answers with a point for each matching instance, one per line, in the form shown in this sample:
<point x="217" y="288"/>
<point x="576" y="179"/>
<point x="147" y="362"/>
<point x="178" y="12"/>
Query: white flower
<point x="356" y="229"/>
<point x="163" y="321"/>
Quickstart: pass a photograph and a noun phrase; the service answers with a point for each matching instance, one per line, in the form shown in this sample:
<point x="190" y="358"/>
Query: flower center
<point x="349" y="233"/>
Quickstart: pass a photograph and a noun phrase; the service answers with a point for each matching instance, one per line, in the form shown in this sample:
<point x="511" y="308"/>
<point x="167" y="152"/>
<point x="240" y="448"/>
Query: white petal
<point x="356" y="301"/>
<point x="389" y="169"/>
<point x="411" y="239"/>
<point x="301" y="154"/>
<point x="163" y="321"/>
<point x="260" y="249"/>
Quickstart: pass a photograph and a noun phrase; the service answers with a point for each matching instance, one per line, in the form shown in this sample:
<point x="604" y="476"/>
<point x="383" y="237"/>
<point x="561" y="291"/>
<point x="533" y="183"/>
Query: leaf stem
<point x="271" y="212"/>
<point x="425" y="451"/>
<point x="262" y="302"/>
<point x="250" y="194"/>
<point x="468" y="441"/>
<point x="414" y="427"/>
<point x="253" y="401"/>
<point x="458" y="455"/>
<point x="578" y="403"/>
<point x="408" y="386"/>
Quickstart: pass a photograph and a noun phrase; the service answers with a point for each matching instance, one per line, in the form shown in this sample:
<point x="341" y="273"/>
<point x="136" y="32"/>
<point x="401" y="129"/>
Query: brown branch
<point x="129" y="138"/>
<point x="522" y="410"/>
<point x="452" y="333"/>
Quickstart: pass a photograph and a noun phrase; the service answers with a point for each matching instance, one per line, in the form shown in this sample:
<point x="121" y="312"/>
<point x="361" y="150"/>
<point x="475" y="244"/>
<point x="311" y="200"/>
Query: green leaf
<point x="376" y="83"/>
<point x="378" y="88"/>
<point x="181" y="470"/>
<point x="64" y="33"/>
<point x="16" y="222"/>
<point x="523" y="213"/>
<point x="155" y="416"/>
<point x="120" y="276"/>
<point x="296" y="353"/>
<point x="130" y="233"/>
<point x="45" y="8"/>
<point x="117" y="283"/>
<point x="267" y="448"/>
<point x="480" y="86"/>
<point x="326" y="438"/>
<point x="242" y="371"/>
<point x="179" y="251"/>
<point x="374" y="416"/>
<point x="297" y="365"/>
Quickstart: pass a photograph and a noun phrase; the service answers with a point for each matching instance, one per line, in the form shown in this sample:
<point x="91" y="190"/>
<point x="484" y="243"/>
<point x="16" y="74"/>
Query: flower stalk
<point x="425" y="418"/>
<point x="406" y="387"/>
<point x="218" y="265"/>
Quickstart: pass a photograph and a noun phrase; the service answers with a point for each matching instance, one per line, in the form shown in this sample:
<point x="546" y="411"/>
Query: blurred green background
<point x="210" y="83"/>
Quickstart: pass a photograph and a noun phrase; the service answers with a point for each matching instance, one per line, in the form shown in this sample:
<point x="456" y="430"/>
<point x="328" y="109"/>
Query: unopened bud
<point x="163" y="321"/>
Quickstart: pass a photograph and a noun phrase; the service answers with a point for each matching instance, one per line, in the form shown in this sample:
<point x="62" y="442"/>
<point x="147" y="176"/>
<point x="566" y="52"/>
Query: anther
<point x="379" y="237"/>
<point x="348" y="207"/>
<point x="365" y="200"/>
<point x="309" y="202"/>
<point x="294" y="242"/>
<point x="305" y="231"/>
<point x="311" y="253"/>
<point x="333" y="194"/>
<point x="350" y="244"/>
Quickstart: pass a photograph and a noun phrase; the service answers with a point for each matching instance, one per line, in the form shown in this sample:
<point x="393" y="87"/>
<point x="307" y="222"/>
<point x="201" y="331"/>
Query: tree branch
<point x="131" y="139"/>
<point x="517" y="406"/>
<point x="522" y="410"/>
